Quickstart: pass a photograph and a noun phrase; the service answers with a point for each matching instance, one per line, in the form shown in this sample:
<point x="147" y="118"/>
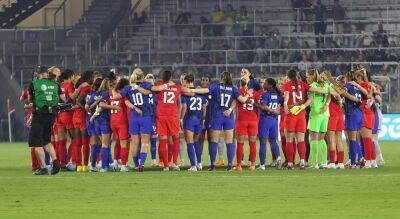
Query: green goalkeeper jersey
<point x="316" y="107"/>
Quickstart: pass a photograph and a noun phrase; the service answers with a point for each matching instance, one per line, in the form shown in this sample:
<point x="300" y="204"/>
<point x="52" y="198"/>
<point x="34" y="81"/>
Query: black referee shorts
<point x="40" y="131"/>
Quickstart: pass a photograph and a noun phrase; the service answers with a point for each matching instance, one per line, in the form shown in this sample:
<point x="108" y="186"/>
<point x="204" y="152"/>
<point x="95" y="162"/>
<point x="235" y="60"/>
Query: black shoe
<point x="140" y="168"/>
<point x="56" y="167"/>
<point x="42" y="171"/>
<point x="212" y="168"/>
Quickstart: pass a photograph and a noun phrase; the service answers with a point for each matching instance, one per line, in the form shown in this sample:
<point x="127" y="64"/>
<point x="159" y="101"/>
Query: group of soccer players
<point x="136" y="115"/>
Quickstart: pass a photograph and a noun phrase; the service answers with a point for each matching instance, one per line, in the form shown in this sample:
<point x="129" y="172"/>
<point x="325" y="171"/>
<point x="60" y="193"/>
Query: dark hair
<point x="166" y="75"/>
<point x="87" y="76"/>
<point x="292" y="75"/>
<point x="112" y="76"/>
<point x="272" y="82"/>
<point x="96" y="84"/>
<point x="189" y="78"/>
<point x="226" y="78"/>
<point x="123" y="82"/>
<point x="207" y="76"/>
<point x="79" y="82"/>
<point x="42" y="69"/>
<point x="66" y="74"/>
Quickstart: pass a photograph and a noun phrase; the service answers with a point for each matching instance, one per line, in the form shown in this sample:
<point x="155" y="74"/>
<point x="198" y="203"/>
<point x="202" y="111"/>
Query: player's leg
<point x="123" y="135"/>
<point x="272" y="138"/>
<point x="198" y="148"/>
<point x="366" y="134"/>
<point x="323" y="149"/>
<point x="189" y="136"/>
<point x="230" y="148"/>
<point x="339" y="148"/>
<point x="313" y="148"/>
<point x="220" y="150"/>
<point x="105" y="151"/>
<point x="332" y="148"/>
<point x="239" y="150"/>
<point x="215" y="133"/>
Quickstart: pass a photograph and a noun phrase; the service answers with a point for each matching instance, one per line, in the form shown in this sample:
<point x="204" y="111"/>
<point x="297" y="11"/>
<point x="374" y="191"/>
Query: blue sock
<point x="136" y="161"/>
<point x="360" y="153"/>
<point x="275" y="147"/>
<point x="213" y="153"/>
<point x="153" y="148"/>
<point x="94" y="151"/>
<point x="105" y="153"/>
<point x="143" y="156"/>
<point x="353" y="152"/>
<point x="197" y="148"/>
<point x="263" y="152"/>
<point x="230" y="150"/>
<point x="46" y="157"/>
<point x="191" y="154"/>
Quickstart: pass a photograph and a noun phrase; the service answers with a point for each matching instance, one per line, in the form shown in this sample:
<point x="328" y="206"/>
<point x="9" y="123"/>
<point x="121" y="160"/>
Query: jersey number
<point x="225" y="98"/>
<point x="195" y="103"/>
<point x="297" y="97"/>
<point x="273" y="106"/>
<point x="169" y="97"/>
<point x="358" y="96"/>
<point x="114" y="103"/>
<point x="248" y="106"/>
<point x="137" y="99"/>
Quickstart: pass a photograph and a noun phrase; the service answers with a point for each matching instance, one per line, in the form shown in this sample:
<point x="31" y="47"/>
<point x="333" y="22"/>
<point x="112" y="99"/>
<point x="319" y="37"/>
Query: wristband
<point x="230" y="109"/>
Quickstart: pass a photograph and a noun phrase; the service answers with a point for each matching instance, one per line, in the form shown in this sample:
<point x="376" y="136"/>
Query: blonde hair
<point x="136" y="75"/>
<point x="105" y="84"/>
<point x="149" y="76"/>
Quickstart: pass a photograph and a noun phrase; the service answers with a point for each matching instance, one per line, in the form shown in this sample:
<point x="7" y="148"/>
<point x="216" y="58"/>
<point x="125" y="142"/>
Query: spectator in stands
<point x="183" y="18"/>
<point x="381" y="37"/>
<point x="289" y="55"/>
<point x="304" y="48"/>
<point x="298" y="14"/>
<point x="303" y="65"/>
<point x="320" y="17"/>
<point x="177" y="65"/>
<point x="260" y="56"/>
<point x="231" y="56"/>
<point x="142" y="17"/>
<point x="246" y="56"/>
<point x="217" y="17"/>
<point x="308" y="4"/>
<point x="338" y="15"/>
<point x="243" y="20"/>
<point x="230" y="18"/>
<point x="316" y="63"/>
<point x="392" y="54"/>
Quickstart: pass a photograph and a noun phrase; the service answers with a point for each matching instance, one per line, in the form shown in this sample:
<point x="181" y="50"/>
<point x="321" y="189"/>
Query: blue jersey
<point x="105" y="113"/>
<point x="253" y="84"/>
<point x="144" y="102"/>
<point x="153" y="102"/>
<point x="194" y="105"/>
<point x="90" y="100"/>
<point x="222" y="98"/>
<point x="273" y="101"/>
<point x="351" y="107"/>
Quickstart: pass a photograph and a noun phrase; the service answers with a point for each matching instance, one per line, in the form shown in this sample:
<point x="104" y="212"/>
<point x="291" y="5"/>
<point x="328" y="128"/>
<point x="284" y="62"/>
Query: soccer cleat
<point x="103" y="170"/>
<point x="331" y="166"/>
<point x="252" y="168"/>
<point x="249" y="163"/>
<point x="220" y="163"/>
<point x="85" y="169"/>
<point x="316" y="166"/>
<point x="367" y="164"/>
<point x="212" y="168"/>
<point x="165" y="169"/>
<point x="277" y="164"/>
<point x="140" y="168"/>
<point x="199" y="167"/>
<point x="161" y="164"/>
<point x="71" y="167"/>
<point x="290" y="166"/>
<point x="192" y="169"/>
<point x="374" y="164"/>
<point x="238" y="168"/>
<point x="261" y="167"/>
<point x="284" y="165"/>
<point x="361" y="163"/>
<point x="340" y="166"/>
<point x="42" y="171"/>
<point x="124" y="168"/>
<point x="56" y="167"/>
<point x="92" y="169"/>
<point x="229" y="168"/>
<point x="79" y="169"/>
<point x="181" y="163"/>
<point x="323" y="166"/>
<point x="302" y="165"/>
<point x="175" y="167"/>
<point x="380" y="161"/>
<point x="154" y="163"/>
<point x="273" y="163"/>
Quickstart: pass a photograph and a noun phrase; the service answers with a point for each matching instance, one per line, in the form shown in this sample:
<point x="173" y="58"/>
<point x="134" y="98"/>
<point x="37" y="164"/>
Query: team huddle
<point x="135" y="115"/>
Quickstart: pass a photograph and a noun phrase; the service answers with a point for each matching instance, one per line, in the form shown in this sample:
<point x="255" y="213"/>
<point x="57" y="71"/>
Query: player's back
<point x="194" y="105"/>
<point x="168" y="100"/>
<point x="222" y="98"/>
<point x="297" y="93"/>
<point x="351" y="107"/>
<point x="247" y="111"/>
<point x="273" y="101"/>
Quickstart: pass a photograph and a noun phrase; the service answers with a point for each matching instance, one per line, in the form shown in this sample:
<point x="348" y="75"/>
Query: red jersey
<point x="80" y="112"/>
<point x="247" y="111"/>
<point x="118" y="117"/>
<point x="334" y="107"/>
<point x="167" y="100"/>
<point x="297" y="96"/>
<point x="366" y="110"/>
<point x="28" y="112"/>
<point x="67" y="88"/>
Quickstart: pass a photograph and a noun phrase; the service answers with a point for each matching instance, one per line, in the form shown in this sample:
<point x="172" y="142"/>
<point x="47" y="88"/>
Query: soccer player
<point x="318" y="122"/>
<point x="335" y="129"/>
<point x="247" y="124"/>
<point x="153" y="140"/>
<point x="295" y="103"/>
<point x="377" y="124"/>
<point x="193" y="112"/>
<point x="206" y="132"/>
<point x="223" y="100"/>
<point x="269" y="106"/>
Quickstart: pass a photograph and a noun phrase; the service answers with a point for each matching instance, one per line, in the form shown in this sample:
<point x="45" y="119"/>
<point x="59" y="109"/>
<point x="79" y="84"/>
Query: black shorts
<point x="40" y="132"/>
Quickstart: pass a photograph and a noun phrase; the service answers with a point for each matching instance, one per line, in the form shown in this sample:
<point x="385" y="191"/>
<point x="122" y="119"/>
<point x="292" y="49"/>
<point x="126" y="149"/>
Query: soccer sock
<point x="294" y="152"/>
<point x="263" y="152"/>
<point x="71" y="151"/>
<point x="170" y="152"/>
<point x="117" y="150"/>
<point x="94" y="153"/>
<point x="143" y="156"/>
<point x="78" y="151"/>
<point x="332" y="154"/>
<point x="61" y="152"/>
<point x="302" y="149"/>
<point x="182" y="149"/>
<point x="275" y="147"/>
<point x="46" y="157"/>
<point x="253" y="152"/>
<point x="124" y="155"/>
<point x="353" y="152"/>
<point x="198" y="150"/>
<point x="35" y="164"/>
<point x="110" y="157"/>
<point x="340" y="156"/>
<point x="377" y="148"/>
<point x="191" y="154"/>
<point x="163" y="151"/>
<point x="290" y="151"/>
<point x="153" y="148"/>
<point x="86" y="150"/>
<point x="230" y="151"/>
<point x="220" y="148"/>
<point x="105" y="153"/>
<point x="239" y="153"/>
<point x="213" y="153"/>
<point x="176" y="149"/>
<point x="324" y="151"/>
<point x="314" y="151"/>
<point x="283" y="146"/>
<point x="136" y="160"/>
<point x="359" y="152"/>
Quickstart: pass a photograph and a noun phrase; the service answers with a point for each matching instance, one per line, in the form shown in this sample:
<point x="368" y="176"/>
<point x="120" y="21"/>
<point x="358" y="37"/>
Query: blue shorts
<point x="268" y="127"/>
<point x="354" y="122"/>
<point x="101" y="127"/>
<point x="154" y="125"/>
<point x="193" y="124"/>
<point x="376" y="128"/>
<point x="141" y="125"/>
<point x="222" y="123"/>
<point x="90" y="128"/>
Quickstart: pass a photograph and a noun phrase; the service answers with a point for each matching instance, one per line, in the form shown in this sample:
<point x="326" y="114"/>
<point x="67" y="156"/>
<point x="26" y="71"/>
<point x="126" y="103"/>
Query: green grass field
<point x="372" y="193"/>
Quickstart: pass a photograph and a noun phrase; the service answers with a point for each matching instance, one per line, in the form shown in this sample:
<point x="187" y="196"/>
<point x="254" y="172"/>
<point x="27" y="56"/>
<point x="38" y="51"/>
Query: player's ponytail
<point x="226" y="79"/>
<point x="189" y="78"/>
<point x="137" y="75"/>
<point x="292" y="75"/>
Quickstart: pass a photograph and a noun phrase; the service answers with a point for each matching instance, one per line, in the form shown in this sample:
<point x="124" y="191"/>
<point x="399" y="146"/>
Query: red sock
<point x="176" y="147"/>
<point x="301" y="147"/>
<point x="71" y="151"/>
<point x="78" y="151"/>
<point x="86" y="150"/>
<point x="163" y="151"/>
<point x="253" y="151"/>
<point x="170" y="153"/>
<point x="283" y="146"/>
<point x="367" y="148"/>
<point x="239" y="153"/>
<point x="294" y="152"/>
<point x="340" y="156"/>
<point x="35" y="163"/>
<point x="117" y="150"/>
<point x="290" y="151"/>
<point x="62" y="152"/>
<point x="332" y="156"/>
<point x="124" y="155"/>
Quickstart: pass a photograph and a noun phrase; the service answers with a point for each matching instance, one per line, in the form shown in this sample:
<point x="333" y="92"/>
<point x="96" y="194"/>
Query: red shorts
<point x="369" y="120"/>
<point x="120" y="131"/>
<point x="79" y="119"/>
<point x="296" y="123"/>
<point x="64" y="120"/>
<point x="245" y="127"/>
<point x="282" y="124"/>
<point x="336" y="123"/>
<point x="167" y="125"/>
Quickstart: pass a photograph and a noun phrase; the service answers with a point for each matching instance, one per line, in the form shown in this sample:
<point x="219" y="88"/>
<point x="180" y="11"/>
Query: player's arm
<point x="285" y="101"/>
<point x="318" y="90"/>
<point x="105" y="105"/>
<point x="131" y="106"/>
<point x="199" y="90"/>
<point x="204" y="111"/>
<point x="244" y="98"/>
<point x="309" y="101"/>
<point x="143" y="90"/>
<point x="183" y="109"/>
<point x="161" y="87"/>
<point x="359" y="87"/>
<point x="75" y="94"/>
